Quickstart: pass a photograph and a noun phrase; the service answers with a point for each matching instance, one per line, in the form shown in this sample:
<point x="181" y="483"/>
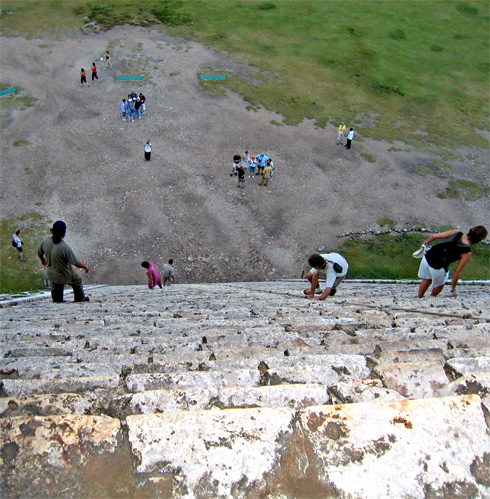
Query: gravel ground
<point x="84" y="165"/>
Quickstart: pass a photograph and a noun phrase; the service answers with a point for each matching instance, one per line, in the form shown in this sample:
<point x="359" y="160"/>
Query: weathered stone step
<point x="419" y="355"/>
<point x="413" y="380"/>
<point x="20" y="387"/>
<point x="196" y="399"/>
<point x="54" y="404"/>
<point x="241" y="449"/>
<point x="366" y="390"/>
<point x="459" y="366"/>
<point x="212" y="381"/>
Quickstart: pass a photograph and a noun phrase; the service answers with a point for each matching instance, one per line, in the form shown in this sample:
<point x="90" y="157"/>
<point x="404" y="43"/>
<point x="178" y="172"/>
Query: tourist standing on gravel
<point x="94" y="72"/>
<point x="154" y="278"/>
<point x="58" y="259"/>
<point x="143" y="103"/>
<point x="17" y="244"/>
<point x="83" y="77"/>
<point x="435" y="263"/>
<point x="107" y="62"/>
<point x="350" y="138"/>
<point x="266" y="174"/>
<point x="334" y="266"/>
<point x="262" y="160"/>
<point x="236" y="161"/>
<point x="241" y="176"/>
<point x="124" y="109"/>
<point x="340" y="136"/>
<point x="148" y="151"/>
<point x="168" y="273"/>
<point x="137" y="106"/>
<point x="131" y="110"/>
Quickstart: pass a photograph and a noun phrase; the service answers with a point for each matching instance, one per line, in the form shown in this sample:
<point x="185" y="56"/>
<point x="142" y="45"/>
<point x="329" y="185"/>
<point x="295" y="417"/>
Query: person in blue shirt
<point x="262" y="159"/>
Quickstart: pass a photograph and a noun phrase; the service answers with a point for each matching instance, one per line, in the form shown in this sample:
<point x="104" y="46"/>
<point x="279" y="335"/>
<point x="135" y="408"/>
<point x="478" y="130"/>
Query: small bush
<point x="398" y="34"/>
<point x="266" y="6"/>
<point x="386" y="222"/>
<point x="467" y="9"/>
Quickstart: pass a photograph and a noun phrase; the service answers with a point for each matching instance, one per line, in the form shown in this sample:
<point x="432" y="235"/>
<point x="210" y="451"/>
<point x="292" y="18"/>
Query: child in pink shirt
<point x="154" y="278"/>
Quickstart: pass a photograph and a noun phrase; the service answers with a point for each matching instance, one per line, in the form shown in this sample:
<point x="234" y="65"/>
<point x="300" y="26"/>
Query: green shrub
<point x="398" y="34"/>
<point x="467" y="9"/>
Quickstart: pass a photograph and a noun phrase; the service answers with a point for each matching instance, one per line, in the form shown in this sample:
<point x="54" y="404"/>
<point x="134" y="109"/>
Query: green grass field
<point x="418" y="71"/>
<point x="15" y="275"/>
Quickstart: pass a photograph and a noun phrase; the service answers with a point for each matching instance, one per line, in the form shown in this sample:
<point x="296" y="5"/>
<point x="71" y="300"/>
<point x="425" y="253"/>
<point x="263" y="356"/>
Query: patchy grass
<point x="14" y="102"/>
<point x="470" y="191"/>
<point x="386" y="222"/>
<point x="422" y="170"/>
<point x="368" y="157"/>
<point x="408" y="65"/>
<point x="18" y="143"/>
<point x="15" y="275"/>
<point x="390" y="257"/>
<point x="352" y="61"/>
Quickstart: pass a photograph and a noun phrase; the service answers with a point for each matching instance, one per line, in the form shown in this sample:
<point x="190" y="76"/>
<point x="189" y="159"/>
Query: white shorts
<point x="437" y="276"/>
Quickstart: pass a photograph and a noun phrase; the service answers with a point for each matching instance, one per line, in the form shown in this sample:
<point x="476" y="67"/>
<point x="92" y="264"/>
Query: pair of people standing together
<point x="350" y="135"/>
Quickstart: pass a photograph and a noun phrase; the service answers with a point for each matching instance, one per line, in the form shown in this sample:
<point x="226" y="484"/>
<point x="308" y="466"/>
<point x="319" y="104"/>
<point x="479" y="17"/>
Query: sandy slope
<point x="85" y="165"/>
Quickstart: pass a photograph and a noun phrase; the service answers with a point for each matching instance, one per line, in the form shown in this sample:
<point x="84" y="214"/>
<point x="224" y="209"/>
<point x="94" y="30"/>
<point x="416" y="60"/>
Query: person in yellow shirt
<point x="342" y="129"/>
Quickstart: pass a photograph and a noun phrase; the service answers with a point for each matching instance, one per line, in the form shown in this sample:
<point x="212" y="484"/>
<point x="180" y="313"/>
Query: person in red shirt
<point x="94" y="72"/>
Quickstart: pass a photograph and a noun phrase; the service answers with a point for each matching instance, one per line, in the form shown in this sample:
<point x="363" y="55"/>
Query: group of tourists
<point x="154" y="276"/>
<point x="260" y="165"/>
<point x="134" y="106"/>
<point x="58" y="258"/>
<point x="93" y="69"/>
<point x="433" y="269"/>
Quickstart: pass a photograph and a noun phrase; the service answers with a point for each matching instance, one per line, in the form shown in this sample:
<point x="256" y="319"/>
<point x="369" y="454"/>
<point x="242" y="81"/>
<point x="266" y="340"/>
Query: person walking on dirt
<point x="435" y="263"/>
<point x="58" y="259"/>
<point x="17" y="244"/>
<point x="94" y="72"/>
<point x="83" y="77"/>
<point x="148" y="151"/>
<point x="107" y="62"/>
<point x="334" y="266"/>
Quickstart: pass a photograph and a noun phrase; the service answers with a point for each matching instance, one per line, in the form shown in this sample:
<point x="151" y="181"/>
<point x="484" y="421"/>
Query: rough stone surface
<point x="246" y="390"/>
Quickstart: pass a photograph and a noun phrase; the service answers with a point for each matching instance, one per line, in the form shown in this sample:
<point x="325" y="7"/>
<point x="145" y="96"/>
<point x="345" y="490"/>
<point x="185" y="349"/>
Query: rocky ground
<point x="83" y="164"/>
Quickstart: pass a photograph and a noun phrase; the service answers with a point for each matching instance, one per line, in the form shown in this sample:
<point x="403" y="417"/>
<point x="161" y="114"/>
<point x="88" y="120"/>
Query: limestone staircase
<point x="247" y="390"/>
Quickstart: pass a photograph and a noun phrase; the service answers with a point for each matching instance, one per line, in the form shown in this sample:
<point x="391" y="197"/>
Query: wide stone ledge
<point x="20" y="387"/>
<point x="411" y="447"/>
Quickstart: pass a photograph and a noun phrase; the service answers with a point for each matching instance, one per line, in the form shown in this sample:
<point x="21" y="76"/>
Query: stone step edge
<point x="43" y="295"/>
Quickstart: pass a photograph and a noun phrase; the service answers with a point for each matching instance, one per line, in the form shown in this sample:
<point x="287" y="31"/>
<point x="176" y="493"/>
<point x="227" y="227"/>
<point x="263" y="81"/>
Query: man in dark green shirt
<point x="58" y="259"/>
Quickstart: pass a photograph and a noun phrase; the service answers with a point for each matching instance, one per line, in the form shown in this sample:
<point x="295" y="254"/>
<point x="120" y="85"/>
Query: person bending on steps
<point x="434" y="265"/>
<point x="335" y="267"/>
